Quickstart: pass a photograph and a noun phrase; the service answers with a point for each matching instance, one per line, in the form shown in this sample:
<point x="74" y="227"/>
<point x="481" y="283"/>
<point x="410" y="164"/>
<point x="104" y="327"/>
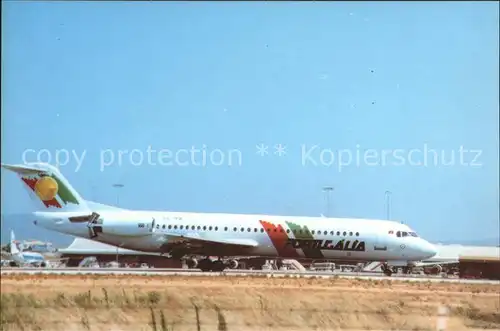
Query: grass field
<point x="51" y="302"/>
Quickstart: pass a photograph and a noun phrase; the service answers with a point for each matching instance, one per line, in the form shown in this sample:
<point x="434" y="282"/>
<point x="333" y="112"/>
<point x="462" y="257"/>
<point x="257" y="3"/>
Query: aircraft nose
<point x="428" y="249"/>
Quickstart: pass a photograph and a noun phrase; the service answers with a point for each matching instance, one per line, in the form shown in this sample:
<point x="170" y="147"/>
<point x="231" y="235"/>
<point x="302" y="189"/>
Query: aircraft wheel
<point x="192" y="263"/>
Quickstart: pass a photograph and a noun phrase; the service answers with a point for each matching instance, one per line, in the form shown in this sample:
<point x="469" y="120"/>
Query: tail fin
<point x="48" y="188"/>
<point x="13" y="243"/>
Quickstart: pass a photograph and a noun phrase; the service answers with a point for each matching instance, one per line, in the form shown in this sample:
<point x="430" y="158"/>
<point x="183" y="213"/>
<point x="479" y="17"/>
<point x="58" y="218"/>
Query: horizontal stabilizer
<point x="21" y="169"/>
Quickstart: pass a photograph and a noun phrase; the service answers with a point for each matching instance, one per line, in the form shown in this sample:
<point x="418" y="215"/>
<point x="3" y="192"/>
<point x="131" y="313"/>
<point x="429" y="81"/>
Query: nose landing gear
<point x="387" y="270"/>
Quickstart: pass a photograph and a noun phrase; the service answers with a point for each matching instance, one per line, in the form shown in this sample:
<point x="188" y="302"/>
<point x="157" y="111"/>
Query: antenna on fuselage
<point x="388" y="205"/>
<point x="118" y="186"/>
<point x="328" y="190"/>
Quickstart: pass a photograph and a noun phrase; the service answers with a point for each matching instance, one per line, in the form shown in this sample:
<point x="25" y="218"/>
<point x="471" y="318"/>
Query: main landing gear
<point x="209" y="265"/>
<point x="206" y="264"/>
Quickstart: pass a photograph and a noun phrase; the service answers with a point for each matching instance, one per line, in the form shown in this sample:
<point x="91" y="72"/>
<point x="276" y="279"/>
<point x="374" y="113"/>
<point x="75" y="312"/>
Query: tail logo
<point x="50" y="190"/>
<point x="46" y="188"/>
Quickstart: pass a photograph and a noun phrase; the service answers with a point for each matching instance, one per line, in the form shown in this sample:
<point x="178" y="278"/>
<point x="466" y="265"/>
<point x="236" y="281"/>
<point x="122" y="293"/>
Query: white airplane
<point x="19" y="258"/>
<point x="183" y="234"/>
<point x="448" y="256"/>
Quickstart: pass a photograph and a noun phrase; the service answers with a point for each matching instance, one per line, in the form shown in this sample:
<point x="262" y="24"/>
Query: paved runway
<point x="268" y="273"/>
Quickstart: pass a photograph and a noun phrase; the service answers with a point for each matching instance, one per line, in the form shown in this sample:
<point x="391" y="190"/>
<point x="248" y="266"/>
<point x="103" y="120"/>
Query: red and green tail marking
<point x="63" y="193"/>
<point x="31" y="182"/>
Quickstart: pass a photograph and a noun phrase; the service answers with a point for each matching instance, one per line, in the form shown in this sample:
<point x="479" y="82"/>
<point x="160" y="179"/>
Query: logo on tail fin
<point x="46" y="188"/>
<point x="50" y="190"/>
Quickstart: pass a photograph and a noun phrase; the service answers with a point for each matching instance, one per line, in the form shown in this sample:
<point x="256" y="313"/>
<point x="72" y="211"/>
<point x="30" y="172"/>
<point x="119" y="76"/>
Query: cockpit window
<point x="406" y="234"/>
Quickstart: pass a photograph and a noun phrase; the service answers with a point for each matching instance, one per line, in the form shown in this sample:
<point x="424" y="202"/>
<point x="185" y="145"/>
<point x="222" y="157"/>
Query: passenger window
<point x="204" y="228"/>
<point x="225" y="228"/>
<point x="338" y="233"/>
<point x="357" y="234"/>
<point x="163" y="227"/>
<point x="242" y="229"/>
<point x="261" y="230"/>
<point x="175" y="227"/>
<point x="405" y="234"/>
<point x="249" y="230"/>
<point x="344" y="233"/>
<point x="325" y="233"/>
<point x="255" y="230"/>
<point x="199" y="227"/>
<point x="287" y="230"/>
<point x="209" y="228"/>
<point x="235" y="229"/>
<point x="398" y="234"/>
<point x="312" y="231"/>
<point x="350" y="233"/>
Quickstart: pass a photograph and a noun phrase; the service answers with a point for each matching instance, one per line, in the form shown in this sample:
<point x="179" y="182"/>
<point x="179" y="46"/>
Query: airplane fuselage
<point x="275" y="236"/>
<point x="28" y="258"/>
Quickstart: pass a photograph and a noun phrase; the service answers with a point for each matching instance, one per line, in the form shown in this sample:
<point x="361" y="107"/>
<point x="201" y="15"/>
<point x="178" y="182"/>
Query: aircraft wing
<point x="196" y="238"/>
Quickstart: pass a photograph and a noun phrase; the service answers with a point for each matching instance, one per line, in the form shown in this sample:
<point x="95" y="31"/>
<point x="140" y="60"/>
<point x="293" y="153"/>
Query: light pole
<point x="388" y="204"/>
<point x="118" y="186"/>
<point x="328" y="190"/>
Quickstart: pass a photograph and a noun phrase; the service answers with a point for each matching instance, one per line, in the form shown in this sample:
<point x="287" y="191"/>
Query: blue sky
<point x="342" y="76"/>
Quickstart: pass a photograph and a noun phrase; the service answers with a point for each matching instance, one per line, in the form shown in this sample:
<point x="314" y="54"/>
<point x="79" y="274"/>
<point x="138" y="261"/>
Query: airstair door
<point x="379" y="245"/>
